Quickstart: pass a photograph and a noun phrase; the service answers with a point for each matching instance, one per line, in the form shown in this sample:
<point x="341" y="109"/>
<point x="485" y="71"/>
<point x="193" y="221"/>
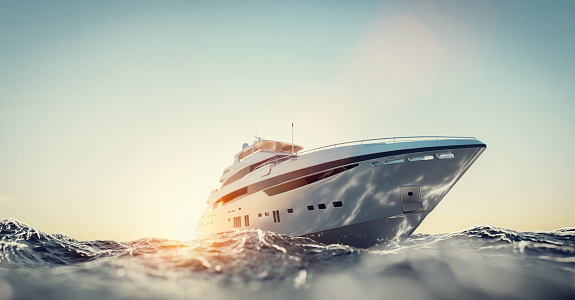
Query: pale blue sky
<point x="116" y="119"/>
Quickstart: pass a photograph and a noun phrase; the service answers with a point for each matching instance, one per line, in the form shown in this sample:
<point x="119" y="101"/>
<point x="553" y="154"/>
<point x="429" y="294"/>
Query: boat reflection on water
<point x="361" y="193"/>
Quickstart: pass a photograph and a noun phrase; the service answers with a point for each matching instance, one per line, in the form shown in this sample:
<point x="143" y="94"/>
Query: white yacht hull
<point x="362" y="206"/>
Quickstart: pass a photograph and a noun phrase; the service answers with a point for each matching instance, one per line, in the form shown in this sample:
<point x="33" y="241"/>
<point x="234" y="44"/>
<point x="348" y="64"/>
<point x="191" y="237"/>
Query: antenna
<point x="256" y="137"/>
<point x="291" y="138"/>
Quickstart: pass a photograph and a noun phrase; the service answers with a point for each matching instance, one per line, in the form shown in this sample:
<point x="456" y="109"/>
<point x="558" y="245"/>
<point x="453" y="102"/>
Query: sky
<point x="118" y="117"/>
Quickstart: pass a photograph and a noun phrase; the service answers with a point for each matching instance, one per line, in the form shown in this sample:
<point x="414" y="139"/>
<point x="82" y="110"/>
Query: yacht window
<point x="445" y="155"/>
<point x="310" y="207"/>
<point x="337" y="204"/>
<point x="303" y="181"/>
<point x="267" y="214"/>
<point x="290" y="210"/>
<point x="259" y="215"/>
<point x="394" y="161"/>
<point x="375" y="164"/>
<point x="321" y="206"/>
<point x="243" y="172"/>
<point x="230" y="197"/>
<point x="420" y="158"/>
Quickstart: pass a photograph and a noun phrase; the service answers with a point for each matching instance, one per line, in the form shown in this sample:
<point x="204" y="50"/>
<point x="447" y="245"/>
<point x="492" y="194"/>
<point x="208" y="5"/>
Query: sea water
<point x="476" y="263"/>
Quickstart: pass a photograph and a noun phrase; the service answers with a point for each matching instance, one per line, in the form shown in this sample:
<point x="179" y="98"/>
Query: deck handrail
<point x="390" y="140"/>
<point x="393" y="140"/>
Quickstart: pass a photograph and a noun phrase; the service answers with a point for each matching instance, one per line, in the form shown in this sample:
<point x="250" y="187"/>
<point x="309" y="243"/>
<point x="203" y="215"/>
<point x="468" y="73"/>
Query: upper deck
<point x="269" y="146"/>
<point x="259" y="153"/>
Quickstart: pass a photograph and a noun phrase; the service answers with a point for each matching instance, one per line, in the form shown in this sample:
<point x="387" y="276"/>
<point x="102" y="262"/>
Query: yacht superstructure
<point x="359" y="193"/>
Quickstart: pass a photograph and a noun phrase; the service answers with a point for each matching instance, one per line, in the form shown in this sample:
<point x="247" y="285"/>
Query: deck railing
<point x="390" y="140"/>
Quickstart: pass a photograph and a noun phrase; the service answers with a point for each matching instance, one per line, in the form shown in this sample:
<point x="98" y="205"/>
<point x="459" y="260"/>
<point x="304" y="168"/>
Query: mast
<point x="291" y="138"/>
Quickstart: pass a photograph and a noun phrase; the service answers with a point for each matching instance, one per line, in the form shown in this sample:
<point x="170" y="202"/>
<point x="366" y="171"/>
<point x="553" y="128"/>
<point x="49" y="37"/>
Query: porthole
<point x="445" y="155"/>
<point x="410" y="194"/>
<point x="375" y="164"/>
<point x="420" y="158"/>
<point x="310" y="207"/>
<point x="321" y="206"/>
<point x="394" y="161"/>
<point x="290" y="210"/>
<point x="337" y="204"/>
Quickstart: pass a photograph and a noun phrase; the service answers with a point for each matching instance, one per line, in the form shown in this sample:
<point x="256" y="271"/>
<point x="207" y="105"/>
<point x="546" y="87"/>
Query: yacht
<point x="359" y="193"/>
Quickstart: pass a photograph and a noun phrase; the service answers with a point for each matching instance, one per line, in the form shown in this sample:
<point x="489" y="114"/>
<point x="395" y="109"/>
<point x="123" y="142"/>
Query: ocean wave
<point x="481" y="261"/>
<point x="34" y="248"/>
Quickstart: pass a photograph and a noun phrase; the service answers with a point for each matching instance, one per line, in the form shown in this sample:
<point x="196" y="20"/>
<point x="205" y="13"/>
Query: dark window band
<point x="231" y="196"/>
<point x="297" y="183"/>
<point x="245" y="171"/>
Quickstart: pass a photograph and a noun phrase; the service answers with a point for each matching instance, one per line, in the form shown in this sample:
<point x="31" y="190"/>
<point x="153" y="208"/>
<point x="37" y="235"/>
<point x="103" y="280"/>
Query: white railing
<point x="391" y="140"/>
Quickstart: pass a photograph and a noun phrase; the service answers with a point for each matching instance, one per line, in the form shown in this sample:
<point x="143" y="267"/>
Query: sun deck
<point x="270" y="146"/>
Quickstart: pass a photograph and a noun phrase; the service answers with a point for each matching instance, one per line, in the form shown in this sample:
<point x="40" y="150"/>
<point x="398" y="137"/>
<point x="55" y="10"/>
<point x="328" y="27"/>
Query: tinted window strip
<point x="245" y="171"/>
<point x="297" y="183"/>
<point x="233" y="195"/>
